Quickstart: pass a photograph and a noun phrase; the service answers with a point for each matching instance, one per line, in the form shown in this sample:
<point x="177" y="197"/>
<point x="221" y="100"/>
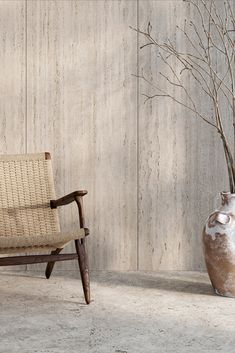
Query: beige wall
<point x="66" y="87"/>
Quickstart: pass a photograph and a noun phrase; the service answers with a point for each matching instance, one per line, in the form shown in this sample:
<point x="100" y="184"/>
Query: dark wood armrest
<point x="65" y="200"/>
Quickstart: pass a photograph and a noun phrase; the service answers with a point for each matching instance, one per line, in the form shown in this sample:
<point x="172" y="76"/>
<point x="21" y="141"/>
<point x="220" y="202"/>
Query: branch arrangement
<point x="210" y="38"/>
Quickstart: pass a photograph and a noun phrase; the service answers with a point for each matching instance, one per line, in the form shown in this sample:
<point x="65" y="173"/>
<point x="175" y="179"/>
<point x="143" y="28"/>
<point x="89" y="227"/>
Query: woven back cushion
<point x="26" y="188"/>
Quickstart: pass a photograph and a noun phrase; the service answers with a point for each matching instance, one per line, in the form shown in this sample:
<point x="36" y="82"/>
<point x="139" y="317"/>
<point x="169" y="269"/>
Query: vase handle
<point x="218" y="217"/>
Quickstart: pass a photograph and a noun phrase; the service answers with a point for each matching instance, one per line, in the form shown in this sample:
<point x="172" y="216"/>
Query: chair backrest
<point x="26" y="188"/>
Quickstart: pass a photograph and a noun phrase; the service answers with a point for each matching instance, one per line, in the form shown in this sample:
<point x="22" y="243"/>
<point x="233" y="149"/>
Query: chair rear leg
<point x="84" y="269"/>
<point x="50" y="265"/>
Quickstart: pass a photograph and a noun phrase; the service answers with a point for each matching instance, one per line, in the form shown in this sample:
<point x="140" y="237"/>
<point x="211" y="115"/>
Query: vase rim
<point x="227" y="194"/>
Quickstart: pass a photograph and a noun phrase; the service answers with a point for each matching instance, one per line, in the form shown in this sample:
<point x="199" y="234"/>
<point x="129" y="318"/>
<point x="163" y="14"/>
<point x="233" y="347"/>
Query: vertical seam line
<point x="137" y="137"/>
<point x="26" y="89"/>
<point x="26" y="78"/>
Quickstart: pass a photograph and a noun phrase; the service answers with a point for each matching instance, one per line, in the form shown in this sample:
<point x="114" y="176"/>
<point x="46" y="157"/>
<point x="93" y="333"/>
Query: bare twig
<point x="209" y="39"/>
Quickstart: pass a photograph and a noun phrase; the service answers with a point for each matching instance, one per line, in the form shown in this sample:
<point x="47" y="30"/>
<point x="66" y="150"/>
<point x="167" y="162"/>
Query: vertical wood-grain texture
<point x="12" y="79"/>
<point x="181" y="161"/>
<point x="82" y="108"/>
<point x="152" y="170"/>
<point x="12" y="76"/>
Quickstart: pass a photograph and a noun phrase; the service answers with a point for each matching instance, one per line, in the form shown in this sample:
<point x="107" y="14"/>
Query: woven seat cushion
<point x="37" y="243"/>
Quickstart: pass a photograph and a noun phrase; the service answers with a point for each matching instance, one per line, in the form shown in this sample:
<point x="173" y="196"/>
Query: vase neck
<point x="228" y="201"/>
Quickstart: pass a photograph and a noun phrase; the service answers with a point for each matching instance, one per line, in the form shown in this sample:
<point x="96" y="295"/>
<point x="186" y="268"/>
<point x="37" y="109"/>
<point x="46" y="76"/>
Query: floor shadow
<point x="185" y="282"/>
<point x="38" y="299"/>
<point x="175" y="283"/>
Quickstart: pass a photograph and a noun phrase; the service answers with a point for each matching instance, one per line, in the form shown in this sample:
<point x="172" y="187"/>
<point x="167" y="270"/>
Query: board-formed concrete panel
<point x="152" y="170"/>
<point x="12" y="78"/>
<point x="181" y="162"/>
<point x="82" y="108"/>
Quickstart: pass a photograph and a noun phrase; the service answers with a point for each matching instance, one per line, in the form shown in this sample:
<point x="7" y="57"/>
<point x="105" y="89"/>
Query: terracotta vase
<point x="219" y="246"/>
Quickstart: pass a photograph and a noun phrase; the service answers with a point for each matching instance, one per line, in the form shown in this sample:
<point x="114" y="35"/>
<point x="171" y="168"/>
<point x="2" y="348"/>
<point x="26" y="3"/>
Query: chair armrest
<point x="65" y="200"/>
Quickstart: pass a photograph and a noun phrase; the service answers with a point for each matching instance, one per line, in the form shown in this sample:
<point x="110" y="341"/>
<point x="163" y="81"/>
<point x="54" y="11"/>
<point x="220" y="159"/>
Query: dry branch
<point x="209" y="38"/>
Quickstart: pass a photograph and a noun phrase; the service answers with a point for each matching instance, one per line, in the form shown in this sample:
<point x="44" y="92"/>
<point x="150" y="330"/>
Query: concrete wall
<point x="153" y="172"/>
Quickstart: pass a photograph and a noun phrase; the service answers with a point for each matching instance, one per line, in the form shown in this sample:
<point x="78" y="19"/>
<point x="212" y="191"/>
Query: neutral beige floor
<point x="130" y="313"/>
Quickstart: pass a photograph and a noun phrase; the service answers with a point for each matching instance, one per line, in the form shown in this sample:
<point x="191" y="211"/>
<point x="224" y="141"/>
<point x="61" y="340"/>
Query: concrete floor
<point x="130" y="313"/>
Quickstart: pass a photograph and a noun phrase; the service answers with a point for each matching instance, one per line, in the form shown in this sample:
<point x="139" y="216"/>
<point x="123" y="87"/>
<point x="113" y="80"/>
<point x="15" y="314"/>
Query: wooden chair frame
<point x="80" y="255"/>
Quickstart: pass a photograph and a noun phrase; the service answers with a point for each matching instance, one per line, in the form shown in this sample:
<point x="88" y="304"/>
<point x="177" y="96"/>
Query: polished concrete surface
<point x="130" y="312"/>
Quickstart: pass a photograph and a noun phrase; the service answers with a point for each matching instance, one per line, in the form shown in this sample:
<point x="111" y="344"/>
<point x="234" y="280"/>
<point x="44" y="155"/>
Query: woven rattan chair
<point x="29" y="219"/>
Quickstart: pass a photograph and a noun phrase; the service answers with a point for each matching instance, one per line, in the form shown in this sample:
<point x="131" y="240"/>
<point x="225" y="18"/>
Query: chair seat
<point x="19" y="243"/>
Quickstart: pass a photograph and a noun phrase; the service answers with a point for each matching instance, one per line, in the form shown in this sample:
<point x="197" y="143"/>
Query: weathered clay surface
<point x="219" y="246"/>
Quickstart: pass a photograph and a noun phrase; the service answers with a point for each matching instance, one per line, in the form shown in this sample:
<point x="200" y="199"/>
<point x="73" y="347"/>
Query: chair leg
<point x="50" y="265"/>
<point x="83" y="266"/>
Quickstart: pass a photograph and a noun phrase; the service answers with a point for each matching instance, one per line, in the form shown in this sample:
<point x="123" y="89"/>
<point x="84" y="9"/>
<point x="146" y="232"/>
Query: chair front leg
<point x="84" y="268"/>
<point x="82" y="253"/>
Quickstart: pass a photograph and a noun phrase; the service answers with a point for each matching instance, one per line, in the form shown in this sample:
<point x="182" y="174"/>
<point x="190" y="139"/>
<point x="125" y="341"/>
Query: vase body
<point x="219" y="246"/>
